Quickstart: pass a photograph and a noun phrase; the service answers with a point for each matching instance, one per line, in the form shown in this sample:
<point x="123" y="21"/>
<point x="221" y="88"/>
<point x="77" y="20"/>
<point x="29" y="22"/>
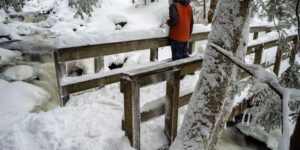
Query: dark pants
<point x="179" y="49"/>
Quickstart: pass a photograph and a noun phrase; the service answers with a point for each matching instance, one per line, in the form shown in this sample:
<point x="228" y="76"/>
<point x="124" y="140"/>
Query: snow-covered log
<point x="202" y="124"/>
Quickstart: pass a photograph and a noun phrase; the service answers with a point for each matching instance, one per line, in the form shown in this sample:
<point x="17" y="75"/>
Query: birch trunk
<point x="207" y="112"/>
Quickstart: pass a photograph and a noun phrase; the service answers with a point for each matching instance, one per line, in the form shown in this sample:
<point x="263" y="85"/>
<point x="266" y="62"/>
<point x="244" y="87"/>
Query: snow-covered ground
<point x="91" y="120"/>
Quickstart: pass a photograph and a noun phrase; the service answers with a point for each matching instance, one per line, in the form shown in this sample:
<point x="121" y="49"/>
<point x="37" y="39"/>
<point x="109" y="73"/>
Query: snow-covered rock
<point x="50" y="22"/>
<point x="118" y="18"/>
<point x="8" y="56"/>
<point x="20" y="97"/>
<point x="3" y="83"/>
<point x="25" y="29"/>
<point x="20" y="73"/>
<point x="259" y="133"/>
<point x="87" y="65"/>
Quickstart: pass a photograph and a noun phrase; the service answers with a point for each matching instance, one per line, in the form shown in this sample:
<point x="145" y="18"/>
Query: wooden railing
<point x="69" y="85"/>
<point x="134" y="78"/>
<point x="168" y="105"/>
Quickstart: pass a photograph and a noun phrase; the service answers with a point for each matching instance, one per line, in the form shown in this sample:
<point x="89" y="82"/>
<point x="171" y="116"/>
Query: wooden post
<point x="255" y="35"/>
<point x="294" y="51"/>
<point x="132" y="110"/>
<point x="173" y="86"/>
<point x="277" y="62"/>
<point x="60" y="68"/>
<point x="153" y="54"/>
<point x="258" y="53"/>
<point x="99" y="63"/>
<point x="192" y="47"/>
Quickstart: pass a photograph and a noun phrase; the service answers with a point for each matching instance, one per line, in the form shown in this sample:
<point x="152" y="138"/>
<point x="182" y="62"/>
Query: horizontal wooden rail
<point x="262" y="29"/>
<point x="90" y="51"/>
<point x="115" y="75"/>
<point x="268" y="44"/>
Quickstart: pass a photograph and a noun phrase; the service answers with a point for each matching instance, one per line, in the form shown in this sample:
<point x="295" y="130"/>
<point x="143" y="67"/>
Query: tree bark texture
<point x="207" y="112"/>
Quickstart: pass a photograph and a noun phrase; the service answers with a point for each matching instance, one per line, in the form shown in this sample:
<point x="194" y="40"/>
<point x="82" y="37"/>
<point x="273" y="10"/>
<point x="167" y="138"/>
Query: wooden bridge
<point x="132" y="79"/>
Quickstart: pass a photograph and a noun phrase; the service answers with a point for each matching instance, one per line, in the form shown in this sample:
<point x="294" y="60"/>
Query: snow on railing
<point x="68" y="85"/>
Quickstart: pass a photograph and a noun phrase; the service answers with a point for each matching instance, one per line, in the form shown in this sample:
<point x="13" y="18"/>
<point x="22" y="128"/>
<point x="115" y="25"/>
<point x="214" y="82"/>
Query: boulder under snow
<point x="20" y="73"/>
<point x="8" y="56"/>
<point x="20" y="97"/>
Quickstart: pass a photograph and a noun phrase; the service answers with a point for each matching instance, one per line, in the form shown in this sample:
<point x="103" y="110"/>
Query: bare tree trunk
<point x="212" y="8"/>
<point x="208" y="111"/>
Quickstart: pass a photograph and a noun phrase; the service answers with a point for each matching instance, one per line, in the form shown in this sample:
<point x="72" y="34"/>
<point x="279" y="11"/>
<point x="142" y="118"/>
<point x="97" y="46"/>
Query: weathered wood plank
<point x="255" y="35"/>
<point x="159" y="106"/>
<point x="258" y="55"/>
<point x="153" y="54"/>
<point x="89" y="51"/>
<point x="93" y="83"/>
<point x="262" y="29"/>
<point x="172" y="98"/>
<point x="269" y="44"/>
<point x="163" y="68"/>
<point x="116" y="75"/>
<point x="99" y="63"/>
<point x="132" y="118"/>
<point x="74" y="53"/>
<point x="192" y="47"/>
<point x="60" y="71"/>
<point x="277" y="62"/>
<point x="162" y="76"/>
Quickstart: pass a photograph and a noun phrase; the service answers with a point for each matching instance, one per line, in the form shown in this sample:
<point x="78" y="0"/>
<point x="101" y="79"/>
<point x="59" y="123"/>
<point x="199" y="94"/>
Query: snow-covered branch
<point x="260" y="73"/>
<point x="271" y="80"/>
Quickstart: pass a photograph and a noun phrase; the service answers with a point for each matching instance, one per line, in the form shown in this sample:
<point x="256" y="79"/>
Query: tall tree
<point x="207" y="112"/>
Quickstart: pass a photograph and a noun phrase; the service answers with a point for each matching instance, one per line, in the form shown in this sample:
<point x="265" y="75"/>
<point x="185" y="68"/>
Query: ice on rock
<point x="20" y="73"/>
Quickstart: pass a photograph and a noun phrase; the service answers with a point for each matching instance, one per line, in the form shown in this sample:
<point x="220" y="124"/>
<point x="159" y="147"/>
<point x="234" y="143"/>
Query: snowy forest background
<point x="29" y="107"/>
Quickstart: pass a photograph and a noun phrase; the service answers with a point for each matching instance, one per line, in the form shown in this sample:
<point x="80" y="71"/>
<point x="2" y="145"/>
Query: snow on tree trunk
<point x="231" y="88"/>
<point x="204" y="119"/>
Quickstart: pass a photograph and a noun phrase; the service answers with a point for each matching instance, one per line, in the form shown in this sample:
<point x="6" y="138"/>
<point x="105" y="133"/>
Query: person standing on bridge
<point x="181" y="26"/>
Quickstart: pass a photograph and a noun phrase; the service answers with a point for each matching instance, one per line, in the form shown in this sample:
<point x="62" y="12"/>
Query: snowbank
<point x="21" y="97"/>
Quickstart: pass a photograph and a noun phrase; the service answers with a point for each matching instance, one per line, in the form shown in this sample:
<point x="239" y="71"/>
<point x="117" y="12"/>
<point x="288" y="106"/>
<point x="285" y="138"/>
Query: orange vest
<point x="181" y="30"/>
